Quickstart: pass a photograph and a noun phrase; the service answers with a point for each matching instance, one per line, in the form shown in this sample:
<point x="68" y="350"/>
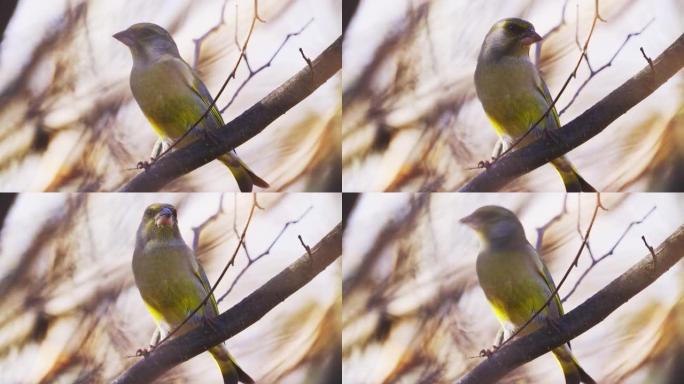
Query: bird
<point x="173" y="97"/>
<point x="172" y="283"/>
<point x="516" y="282"/>
<point x="514" y="95"/>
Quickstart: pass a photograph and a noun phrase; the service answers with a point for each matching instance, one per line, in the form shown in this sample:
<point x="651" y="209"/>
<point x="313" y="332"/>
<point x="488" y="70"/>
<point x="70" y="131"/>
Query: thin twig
<point x="200" y="40"/>
<point x="595" y="261"/>
<point x="648" y="59"/>
<point x="254" y="72"/>
<point x="197" y="231"/>
<point x="251" y="261"/>
<point x="541" y="230"/>
<point x="593" y="72"/>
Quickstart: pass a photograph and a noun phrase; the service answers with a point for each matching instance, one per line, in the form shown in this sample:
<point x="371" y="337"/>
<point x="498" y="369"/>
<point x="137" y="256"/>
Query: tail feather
<point x="574" y="374"/>
<point x="572" y="180"/>
<point x="244" y="176"/>
<point x="230" y="371"/>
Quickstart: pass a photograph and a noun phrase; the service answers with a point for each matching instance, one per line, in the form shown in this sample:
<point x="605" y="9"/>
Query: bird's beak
<point x="530" y="37"/>
<point x="469" y="221"/>
<point x="124" y="37"/>
<point x="164" y="218"/>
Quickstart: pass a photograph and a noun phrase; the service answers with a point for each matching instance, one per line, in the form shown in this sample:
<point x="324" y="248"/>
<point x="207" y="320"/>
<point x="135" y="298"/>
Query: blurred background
<point x="72" y="314"/>
<point x="70" y="122"/>
<point x="414" y="313"/>
<point x="412" y="121"/>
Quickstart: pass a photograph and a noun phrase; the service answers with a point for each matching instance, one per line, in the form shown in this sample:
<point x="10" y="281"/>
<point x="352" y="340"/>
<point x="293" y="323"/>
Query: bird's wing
<point x="541" y="87"/>
<point x="193" y="82"/>
<point x="543" y="271"/>
<point x="202" y="277"/>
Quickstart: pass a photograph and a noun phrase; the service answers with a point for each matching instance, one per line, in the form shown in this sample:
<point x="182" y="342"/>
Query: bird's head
<point x="147" y="41"/>
<point x="495" y="224"/>
<point x="510" y="36"/>
<point x="159" y="222"/>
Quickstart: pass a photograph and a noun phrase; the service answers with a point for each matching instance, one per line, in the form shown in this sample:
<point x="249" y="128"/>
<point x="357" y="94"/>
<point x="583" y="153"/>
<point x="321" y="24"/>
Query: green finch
<point x="513" y="94"/>
<point x="516" y="281"/>
<point x="172" y="283"/>
<point x="173" y="97"/>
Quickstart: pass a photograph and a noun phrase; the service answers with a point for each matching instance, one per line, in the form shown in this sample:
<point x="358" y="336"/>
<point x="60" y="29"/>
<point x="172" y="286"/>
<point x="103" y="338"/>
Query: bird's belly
<point x="170" y="110"/>
<point x="169" y="292"/>
<point x="512" y="105"/>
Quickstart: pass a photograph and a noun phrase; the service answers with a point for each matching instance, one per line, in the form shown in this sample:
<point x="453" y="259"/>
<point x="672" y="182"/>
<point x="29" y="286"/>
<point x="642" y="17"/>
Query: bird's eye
<point x="514" y="28"/>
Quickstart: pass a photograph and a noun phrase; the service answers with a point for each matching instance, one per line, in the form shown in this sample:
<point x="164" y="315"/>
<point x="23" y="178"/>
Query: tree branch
<point x="582" y="318"/>
<point x="584" y="127"/>
<point x="241" y="316"/>
<point x="242" y="128"/>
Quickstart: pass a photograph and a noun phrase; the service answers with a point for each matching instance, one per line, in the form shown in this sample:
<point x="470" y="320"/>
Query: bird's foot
<point x="485" y="163"/>
<point x="553" y="323"/>
<point x="144" y="352"/>
<point x="489" y="352"/>
<point x="211" y="323"/>
<point x="211" y="136"/>
<point x="146" y="164"/>
<point x="552" y="135"/>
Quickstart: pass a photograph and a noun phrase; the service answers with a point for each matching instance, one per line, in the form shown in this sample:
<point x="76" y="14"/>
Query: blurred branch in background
<point x="6" y="11"/>
<point x="582" y="318"/>
<point x="6" y="201"/>
<point x="242" y="128"/>
<point x="241" y="316"/>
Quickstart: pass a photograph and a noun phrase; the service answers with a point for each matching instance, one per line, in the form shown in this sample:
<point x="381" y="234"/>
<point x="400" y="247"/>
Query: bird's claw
<point x="211" y="136"/>
<point x="484" y="164"/>
<point x="211" y="323"/>
<point x="144" y="352"/>
<point x="144" y="165"/>
<point x="552" y="135"/>
<point x="489" y="352"/>
<point x="553" y="323"/>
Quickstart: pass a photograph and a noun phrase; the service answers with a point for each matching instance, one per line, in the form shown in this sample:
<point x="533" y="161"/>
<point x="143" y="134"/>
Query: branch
<point x="239" y="317"/>
<point x="584" y="127"/>
<point x="242" y="128"/>
<point x="582" y="318"/>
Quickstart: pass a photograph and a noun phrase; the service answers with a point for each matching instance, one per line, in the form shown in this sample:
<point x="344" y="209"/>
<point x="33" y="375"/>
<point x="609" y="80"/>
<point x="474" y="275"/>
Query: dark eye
<point x="515" y="28"/>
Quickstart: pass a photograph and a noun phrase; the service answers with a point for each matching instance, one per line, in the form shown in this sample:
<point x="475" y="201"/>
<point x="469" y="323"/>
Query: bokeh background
<point x="70" y="122"/>
<point x="72" y="314"/>
<point x="414" y="313"/>
<point x="412" y="121"/>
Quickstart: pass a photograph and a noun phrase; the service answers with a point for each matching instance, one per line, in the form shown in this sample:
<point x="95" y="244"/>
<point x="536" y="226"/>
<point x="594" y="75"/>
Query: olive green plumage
<point x="173" y="97"/>
<point x="513" y="94"/>
<point x="516" y="281"/>
<point x="172" y="283"/>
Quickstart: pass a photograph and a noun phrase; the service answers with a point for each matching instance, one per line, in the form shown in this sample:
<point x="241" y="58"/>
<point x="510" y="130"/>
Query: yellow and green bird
<point x="516" y="281"/>
<point x="513" y="94"/>
<point x="173" y="97"/>
<point x="172" y="283"/>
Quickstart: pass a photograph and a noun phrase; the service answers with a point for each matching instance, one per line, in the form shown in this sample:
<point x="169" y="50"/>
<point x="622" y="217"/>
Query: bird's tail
<point x="574" y="374"/>
<point x="244" y="176"/>
<point x="572" y="180"/>
<point x="231" y="372"/>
